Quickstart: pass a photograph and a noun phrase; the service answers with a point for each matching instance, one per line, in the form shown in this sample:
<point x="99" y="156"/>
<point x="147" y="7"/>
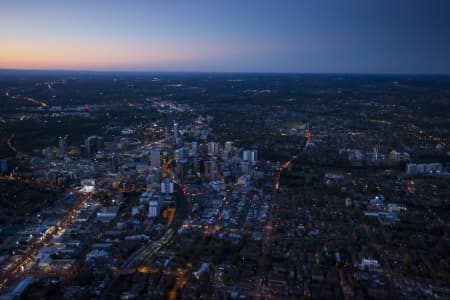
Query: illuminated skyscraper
<point x="175" y="132"/>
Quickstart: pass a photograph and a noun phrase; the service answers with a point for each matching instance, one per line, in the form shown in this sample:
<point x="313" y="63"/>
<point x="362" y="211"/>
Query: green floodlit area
<point x="294" y="125"/>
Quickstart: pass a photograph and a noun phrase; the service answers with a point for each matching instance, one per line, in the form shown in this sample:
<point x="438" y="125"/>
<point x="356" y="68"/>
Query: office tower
<point x="114" y="167"/>
<point x="154" y="206"/>
<point x="175" y="132"/>
<point x="228" y="146"/>
<point x="93" y="144"/>
<point x="90" y="146"/>
<point x="155" y="158"/>
<point x="167" y="186"/>
<point x="182" y="169"/>
<point x="250" y="155"/>
<point x="213" y="148"/>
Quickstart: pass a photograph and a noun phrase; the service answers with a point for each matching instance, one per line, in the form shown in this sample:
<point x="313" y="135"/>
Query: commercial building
<point x="250" y="155"/>
<point x="155" y="158"/>
<point x="416" y="169"/>
<point x="167" y="186"/>
<point x="213" y="148"/>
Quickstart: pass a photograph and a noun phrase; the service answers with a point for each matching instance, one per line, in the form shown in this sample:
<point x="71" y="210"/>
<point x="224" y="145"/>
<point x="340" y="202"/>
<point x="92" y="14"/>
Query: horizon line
<point x="221" y="72"/>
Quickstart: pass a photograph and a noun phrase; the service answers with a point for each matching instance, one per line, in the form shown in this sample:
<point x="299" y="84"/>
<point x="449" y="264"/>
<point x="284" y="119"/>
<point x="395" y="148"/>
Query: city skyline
<point x="209" y="36"/>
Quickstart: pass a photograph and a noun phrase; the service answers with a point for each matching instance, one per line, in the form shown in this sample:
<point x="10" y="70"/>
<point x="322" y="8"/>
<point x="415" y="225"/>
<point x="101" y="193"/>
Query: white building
<point x="250" y="155"/>
<point x="87" y="186"/>
<point x="213" y="148"/>
<point x="167" y="186"/>
<point x="175" y="133"/>
<point x="153" y="207"/>
<point x="367" y="263"/>
<point x="415" y="169"/>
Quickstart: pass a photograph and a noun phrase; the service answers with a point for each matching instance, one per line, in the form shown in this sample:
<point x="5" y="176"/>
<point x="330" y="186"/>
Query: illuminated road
<point x="16" y="269"/>
<point x="29" y="99"/>
<point x="268" y="228"/>
<point x="308" y="140"/>
<point x="41" y="103"/>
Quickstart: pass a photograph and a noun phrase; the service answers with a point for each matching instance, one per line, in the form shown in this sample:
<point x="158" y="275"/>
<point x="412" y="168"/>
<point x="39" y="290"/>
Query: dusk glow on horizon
<point x="232" y="36"/>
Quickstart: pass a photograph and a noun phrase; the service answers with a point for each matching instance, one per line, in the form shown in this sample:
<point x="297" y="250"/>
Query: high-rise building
<point x="154" y="206"/>
<point x="250" y="155"/>
<point x="152" y="182"/>
<point x="175" y="133"/>
<point x="213" y="148"/>
<point x="166" y="133"/>
<point x="228" y="146"/>
<point x="167" y="186"/>
<point x="114" y="167"/>
<point x="155" y="158"/>
<point x="89" y="144"/>
<point x="182" y="169"/>
<point x="93" y="144"/>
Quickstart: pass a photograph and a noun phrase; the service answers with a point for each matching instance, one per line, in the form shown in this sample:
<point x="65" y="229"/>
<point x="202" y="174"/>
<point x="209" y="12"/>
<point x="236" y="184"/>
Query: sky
<point x="315" y="36"/>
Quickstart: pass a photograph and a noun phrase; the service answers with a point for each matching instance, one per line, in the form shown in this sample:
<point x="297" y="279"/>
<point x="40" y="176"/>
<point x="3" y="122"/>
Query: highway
<point x="29" y="99"/>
